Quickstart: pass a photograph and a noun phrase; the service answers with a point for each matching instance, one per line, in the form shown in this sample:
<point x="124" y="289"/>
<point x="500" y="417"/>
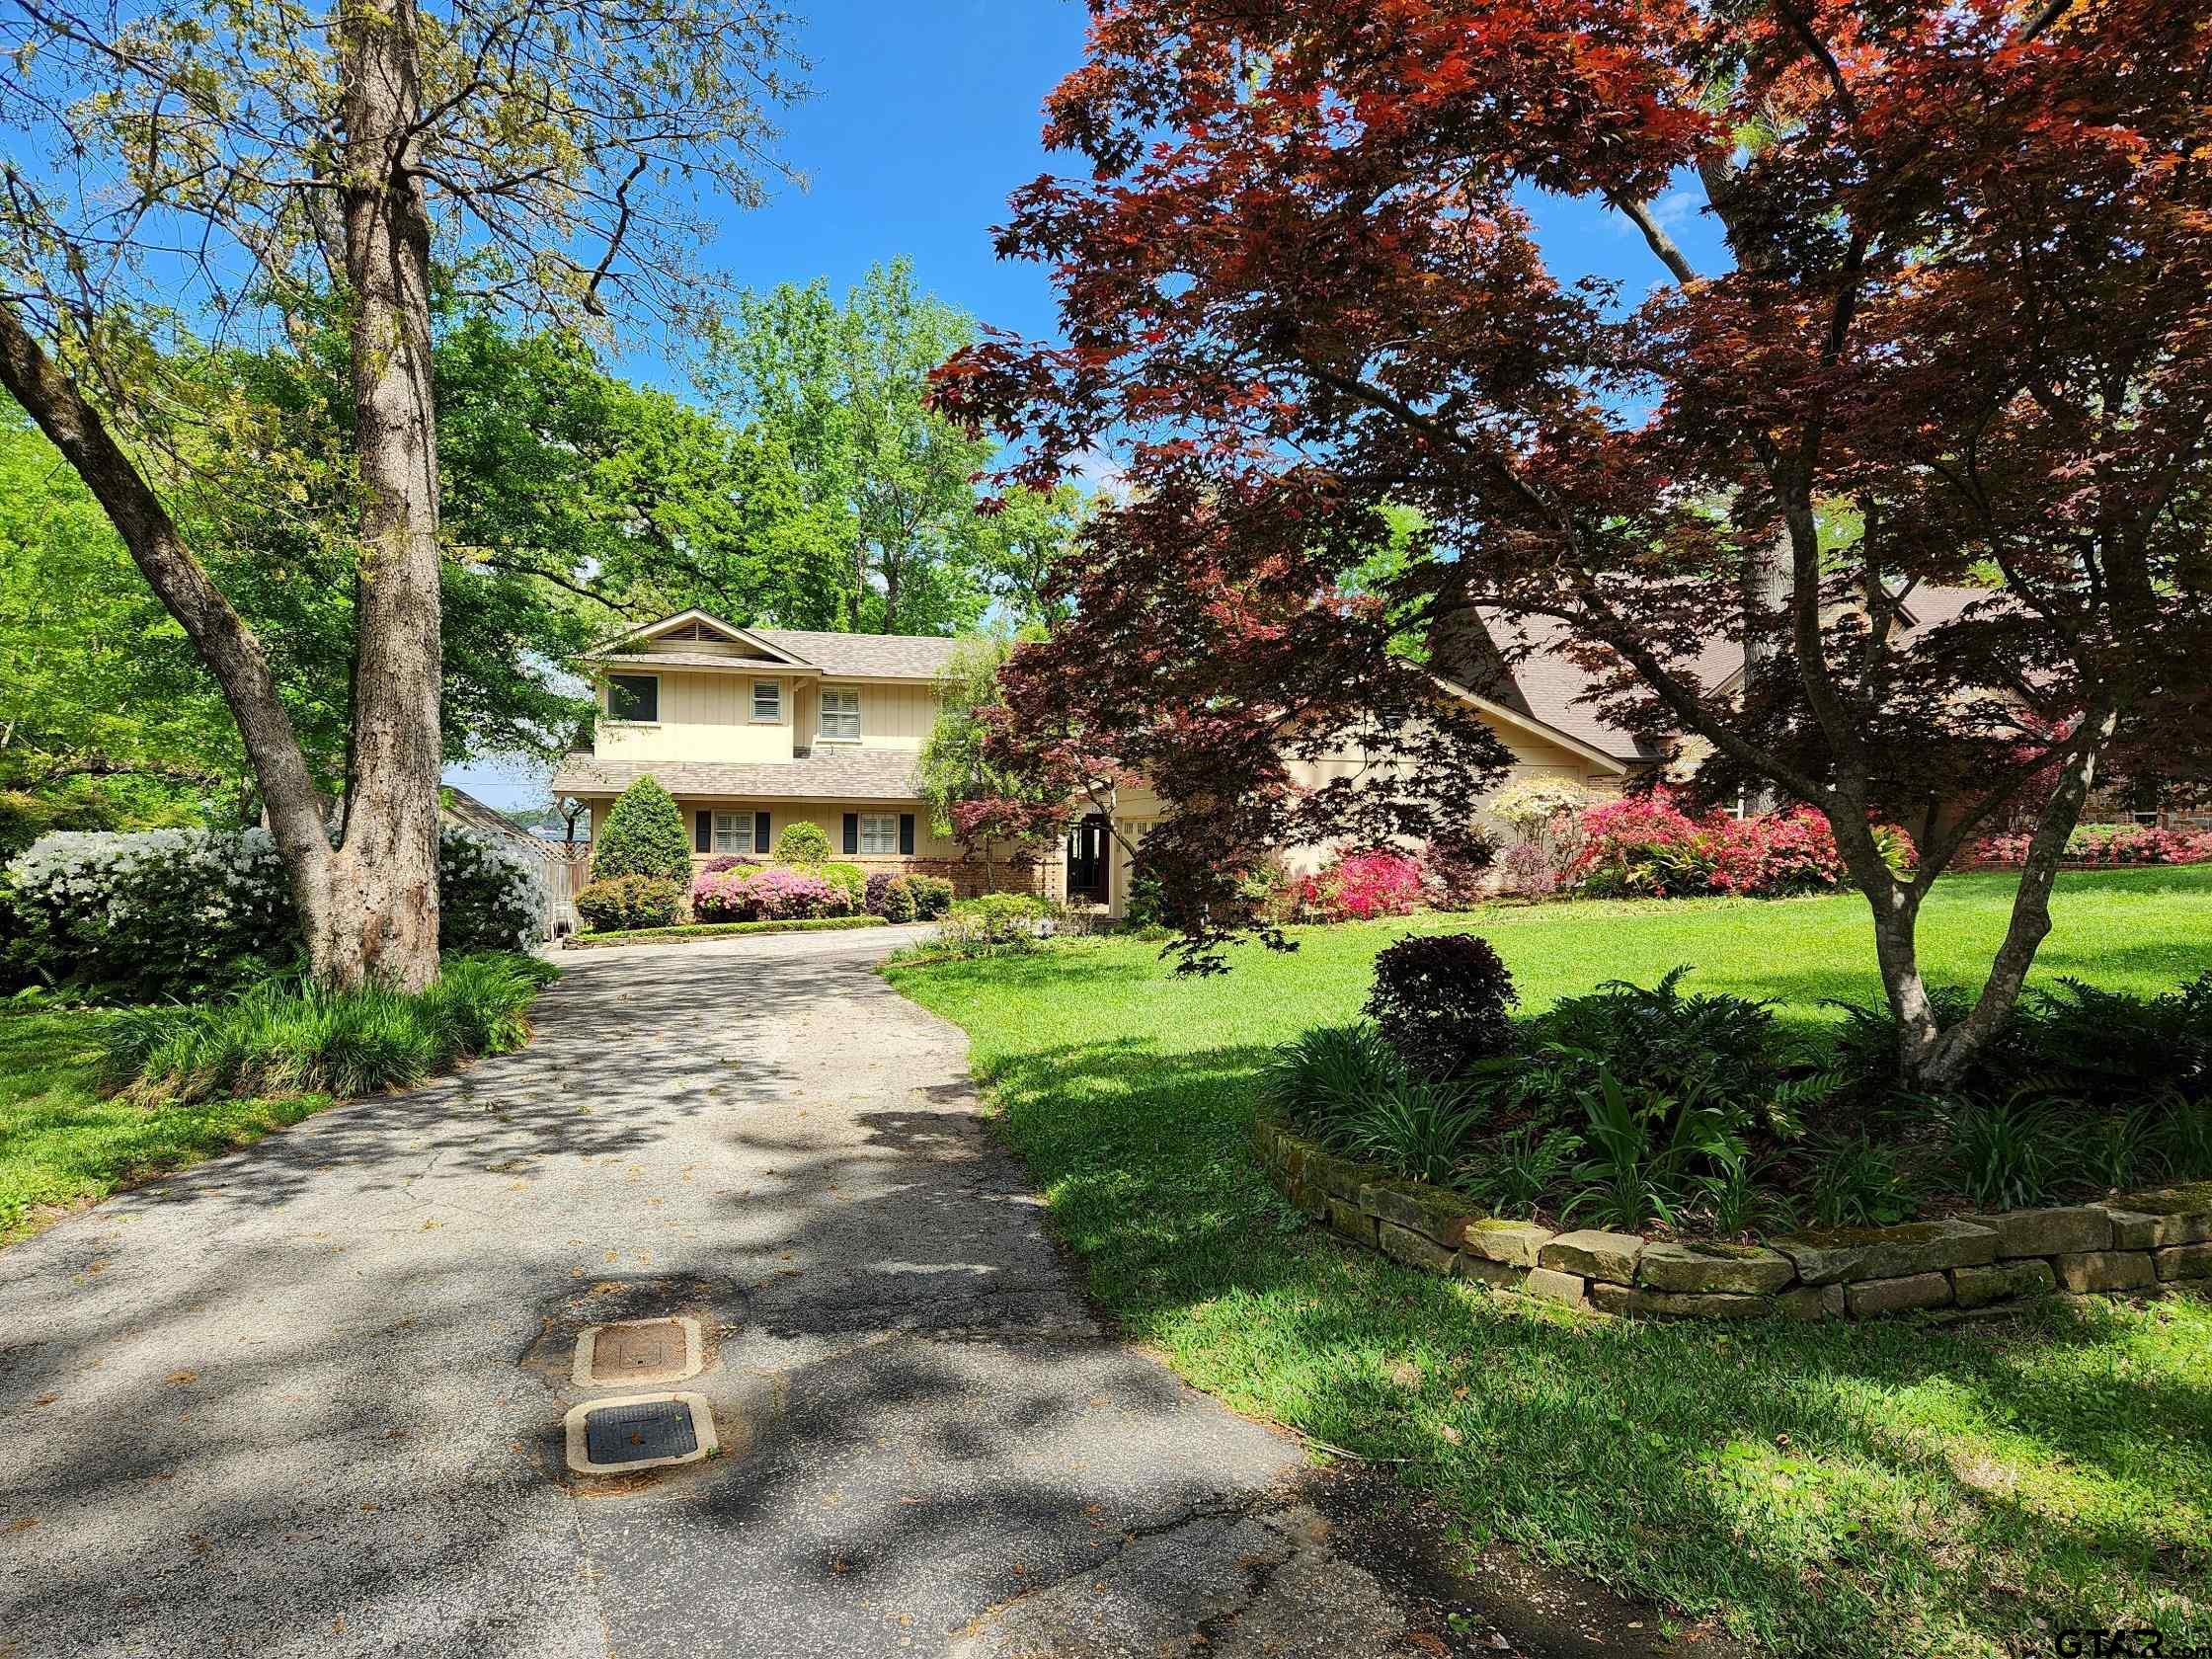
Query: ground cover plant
<point x="94" y="1099"/>
<point x="1836" y="1491"/>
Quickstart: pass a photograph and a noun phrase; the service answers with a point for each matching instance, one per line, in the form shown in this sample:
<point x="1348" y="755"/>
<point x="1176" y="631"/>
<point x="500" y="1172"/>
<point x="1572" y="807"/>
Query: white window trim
<point x="890" y="818"/>
<point x="821" y="715"/>
<point x="759" y="719"/>
<point x="613" y="719"/>
<point x="748" y="823"/>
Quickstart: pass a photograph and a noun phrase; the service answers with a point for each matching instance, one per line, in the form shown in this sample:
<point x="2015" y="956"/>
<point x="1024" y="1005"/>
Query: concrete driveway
<point x="307" y="1399"/>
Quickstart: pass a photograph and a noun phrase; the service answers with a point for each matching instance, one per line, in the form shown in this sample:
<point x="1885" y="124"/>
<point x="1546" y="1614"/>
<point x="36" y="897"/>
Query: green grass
<point x="63" y="1143"/>
<point x="1875" y="1489"/>
<point x="716" y="929"/>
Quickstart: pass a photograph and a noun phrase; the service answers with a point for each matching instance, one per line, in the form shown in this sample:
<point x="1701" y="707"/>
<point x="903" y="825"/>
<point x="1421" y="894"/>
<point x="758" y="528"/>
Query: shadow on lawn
<point x="1866" y="1488"/>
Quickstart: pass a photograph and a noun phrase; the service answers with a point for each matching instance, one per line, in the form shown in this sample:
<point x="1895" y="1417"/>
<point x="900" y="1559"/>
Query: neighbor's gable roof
<point x="859" y="656"/>
<point x="1554" y="691"/>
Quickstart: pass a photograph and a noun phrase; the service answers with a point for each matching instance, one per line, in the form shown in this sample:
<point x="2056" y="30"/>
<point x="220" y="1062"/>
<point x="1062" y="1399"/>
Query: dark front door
<point x="1087" y="856"/>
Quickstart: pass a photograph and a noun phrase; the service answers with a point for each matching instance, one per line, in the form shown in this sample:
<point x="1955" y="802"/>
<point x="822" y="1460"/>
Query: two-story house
<point x="754" y="729"/>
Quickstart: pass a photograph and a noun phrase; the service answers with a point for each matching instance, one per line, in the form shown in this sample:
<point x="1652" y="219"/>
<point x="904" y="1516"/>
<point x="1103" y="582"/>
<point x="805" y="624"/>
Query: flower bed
<point x="1647" y="846"/>
<point x="2135" y="1242"/>
<point x="2104" y="847"/>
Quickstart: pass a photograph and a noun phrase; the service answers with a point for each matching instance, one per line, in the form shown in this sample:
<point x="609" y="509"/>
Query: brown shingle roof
<point x="894" y="656"/>
<point x="854" y="775"/>
<point x="1549" y="688"/>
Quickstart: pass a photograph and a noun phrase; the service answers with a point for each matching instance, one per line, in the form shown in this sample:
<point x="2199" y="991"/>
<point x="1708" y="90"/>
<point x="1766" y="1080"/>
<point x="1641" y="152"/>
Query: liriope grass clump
<point x="284" y="1035"/>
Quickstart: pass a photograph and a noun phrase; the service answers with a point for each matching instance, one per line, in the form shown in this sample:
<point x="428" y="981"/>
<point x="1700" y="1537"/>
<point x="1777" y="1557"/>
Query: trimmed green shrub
<point x="932" y="896"/>
<point x="803" y="844"/>
<point x="286" y="1036"/>
<point x="849" y="879"/>
<point x="149" y="913"/>
<point x="896" y="903"/>
<point x="642" y="836"/>
<point x="625" y="902"/>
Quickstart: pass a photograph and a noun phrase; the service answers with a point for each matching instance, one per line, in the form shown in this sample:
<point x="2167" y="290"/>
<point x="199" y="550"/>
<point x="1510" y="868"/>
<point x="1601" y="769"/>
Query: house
<point x="754" y="728"/>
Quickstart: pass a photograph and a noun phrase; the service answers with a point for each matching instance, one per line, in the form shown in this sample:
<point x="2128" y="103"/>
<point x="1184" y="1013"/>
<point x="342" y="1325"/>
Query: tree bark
<point x="382" y="921"/>
<point x="219" y="634"/>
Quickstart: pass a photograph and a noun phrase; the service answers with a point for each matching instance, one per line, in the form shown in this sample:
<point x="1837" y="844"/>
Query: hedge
<point x="711" y="929"/>
<point x="188" y="914"/>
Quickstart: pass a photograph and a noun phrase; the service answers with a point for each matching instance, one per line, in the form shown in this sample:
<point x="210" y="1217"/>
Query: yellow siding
<point x="891" y="715"/>
<point x="703" y="717"/>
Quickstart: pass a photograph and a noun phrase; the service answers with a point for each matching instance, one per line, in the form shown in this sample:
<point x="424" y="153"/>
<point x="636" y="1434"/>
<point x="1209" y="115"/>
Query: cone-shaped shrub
<point x="642" y="836"/>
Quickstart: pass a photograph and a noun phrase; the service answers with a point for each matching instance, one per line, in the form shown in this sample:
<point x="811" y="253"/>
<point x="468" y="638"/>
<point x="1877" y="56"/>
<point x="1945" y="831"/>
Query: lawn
<point x="1863" y="1490"/>
<point x="62" y="1142"/>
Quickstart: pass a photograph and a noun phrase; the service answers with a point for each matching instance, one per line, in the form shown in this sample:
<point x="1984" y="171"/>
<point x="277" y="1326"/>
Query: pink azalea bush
<point x="1360" y="886"/>
<point x="764" y="895"/>
<point x="1648" y="846"/>
<point x="2107" y="845"/>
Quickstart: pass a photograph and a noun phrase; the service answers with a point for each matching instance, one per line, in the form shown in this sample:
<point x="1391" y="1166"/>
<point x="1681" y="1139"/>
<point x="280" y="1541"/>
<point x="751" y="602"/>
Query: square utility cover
<point x="640" y="1432"/>
<point x="637" y="1351"/>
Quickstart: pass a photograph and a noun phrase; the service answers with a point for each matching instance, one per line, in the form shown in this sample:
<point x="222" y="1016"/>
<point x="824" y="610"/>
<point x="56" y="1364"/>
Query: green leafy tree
<point x="642" y="836"/>
<point x="553" y="149"/>
<point x="839" y="391"/>
<point x="979" y="802"/>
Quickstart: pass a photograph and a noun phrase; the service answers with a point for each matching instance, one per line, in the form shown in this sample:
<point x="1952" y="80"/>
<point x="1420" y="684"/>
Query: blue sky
<point x="924" y="116"/>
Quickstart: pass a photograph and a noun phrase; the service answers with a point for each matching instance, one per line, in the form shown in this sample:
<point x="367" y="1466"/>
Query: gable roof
<point x="1551" y="689"/>
<point x="862" y="656"/>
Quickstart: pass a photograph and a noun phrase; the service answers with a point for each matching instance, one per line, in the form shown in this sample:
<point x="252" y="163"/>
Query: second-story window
<point x="840" y="712"/>
<point x="633" y="697"/>
<point x="767" y="699"/>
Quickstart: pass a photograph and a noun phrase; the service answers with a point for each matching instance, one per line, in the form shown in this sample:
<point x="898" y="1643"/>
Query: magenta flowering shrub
<point x="2107" y="845"/>
<point x="764" y="895"/>
<point x="1360" y="886"/>
<point x="1647" y="846"/>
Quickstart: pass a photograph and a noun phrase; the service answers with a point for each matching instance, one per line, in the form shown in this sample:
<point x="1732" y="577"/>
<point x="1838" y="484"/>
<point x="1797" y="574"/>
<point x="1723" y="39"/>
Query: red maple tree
<point x="1960" y="335"/>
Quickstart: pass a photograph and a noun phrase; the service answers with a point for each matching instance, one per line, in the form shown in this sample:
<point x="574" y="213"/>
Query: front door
<point x="1088" y="855"/>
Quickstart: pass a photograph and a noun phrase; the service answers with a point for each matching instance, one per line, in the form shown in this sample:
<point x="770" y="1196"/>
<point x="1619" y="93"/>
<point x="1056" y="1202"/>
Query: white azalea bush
<point x="153" y="913"/>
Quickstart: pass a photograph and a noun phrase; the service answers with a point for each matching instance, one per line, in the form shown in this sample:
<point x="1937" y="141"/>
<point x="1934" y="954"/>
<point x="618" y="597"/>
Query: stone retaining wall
<point x="2136" y="1242"/>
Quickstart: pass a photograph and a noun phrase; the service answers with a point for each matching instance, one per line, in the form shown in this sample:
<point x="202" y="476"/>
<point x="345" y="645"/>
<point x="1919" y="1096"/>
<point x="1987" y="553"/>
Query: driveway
<point x="307" y="1399"/>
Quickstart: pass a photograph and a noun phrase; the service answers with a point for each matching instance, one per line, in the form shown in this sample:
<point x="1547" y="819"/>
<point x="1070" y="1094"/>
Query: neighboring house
<point x="756" y="728"/>
<point x="557" y="872"/>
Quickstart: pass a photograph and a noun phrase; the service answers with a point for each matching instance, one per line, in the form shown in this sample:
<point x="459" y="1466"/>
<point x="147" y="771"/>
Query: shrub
<point x="803" y="844"/>
<point x="1319" y="1081"/>
<point x="1528" y="1165"/>
<point x="1530" y="869"/>
<point x="1854" y="1181"/>
<point x="1539" y="808"/>
<point x="778" y="895"/>
<point x="189" y="912"/>
<point x="993" y="923"/>
<point x="2107" y="843"/>
<point x="848" y="879"/>
<point x="1457" y="867"/>
<point x="932" y="896"/>
<point x="1361" y="886"/>
<point x="2006" y="1155"/>
<point x="286" y="1036"/>
<point x="1441" y="1002"/>
<point x="642" y="836"/>
<point x="624" y="902"/>
<point x="1421" y="1129"/>
<point x="722" y="861"/>
<point x="1647" y="846"/>
<point x="896" y="901"/>
<point x="878" y="884"/>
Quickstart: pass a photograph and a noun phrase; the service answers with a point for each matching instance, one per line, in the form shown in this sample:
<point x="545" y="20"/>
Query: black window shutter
<point x="906" y="834"/>
<point x="852" y="833"/>
<point x="702" y="832"/>
<point x="760" y="832"/>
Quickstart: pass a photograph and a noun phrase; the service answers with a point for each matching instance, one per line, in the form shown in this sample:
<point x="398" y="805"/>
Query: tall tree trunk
<point x="219" y="634"/>
<point x="382" y="919"/>
<point x="1766" y="590"/>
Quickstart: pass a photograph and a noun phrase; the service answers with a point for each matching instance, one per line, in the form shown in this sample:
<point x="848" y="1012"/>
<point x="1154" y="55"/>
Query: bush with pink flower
<point x="2108" y="845"/>
<point x="1648" y="846"/>
<point x="1361" y="886"/>
<point x="773" y="893"/>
